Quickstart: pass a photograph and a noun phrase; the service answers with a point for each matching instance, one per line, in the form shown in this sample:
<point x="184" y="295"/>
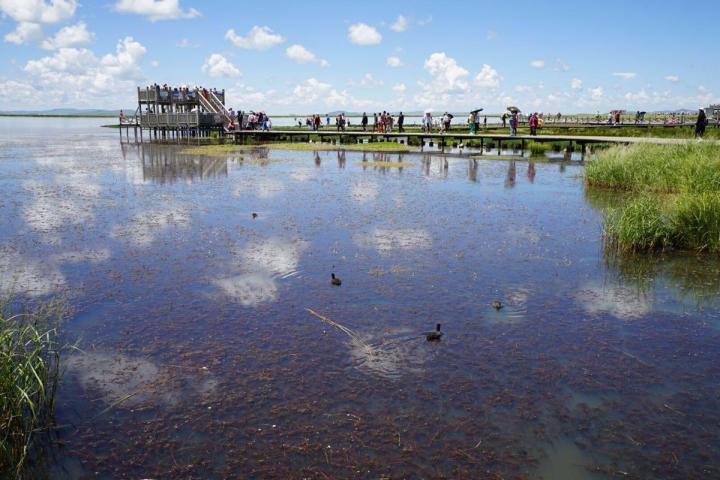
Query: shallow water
<point x="201" y="359"/>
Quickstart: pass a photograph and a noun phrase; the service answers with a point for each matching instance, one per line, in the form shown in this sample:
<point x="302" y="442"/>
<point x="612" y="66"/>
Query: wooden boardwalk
<point x="444" y="138"/>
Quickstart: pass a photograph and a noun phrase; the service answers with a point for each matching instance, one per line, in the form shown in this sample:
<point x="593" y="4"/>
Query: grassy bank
<point x="390" y="147"/>
<point x="675" y="196"/>
<point x="29" y="373"/>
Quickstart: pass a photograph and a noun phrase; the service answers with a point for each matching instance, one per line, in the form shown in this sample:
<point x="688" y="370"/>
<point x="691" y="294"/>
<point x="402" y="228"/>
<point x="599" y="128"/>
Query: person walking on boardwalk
<point x="532" y="122"/>
<point x="364" y="121"/>
<point x="472" y="122"/>
<point x="700" y="124"/>
<point x="504" y="120"/>
<point x="513" y="124"/>
<point x="400" y="122"/>
<point x="427" y="122"/>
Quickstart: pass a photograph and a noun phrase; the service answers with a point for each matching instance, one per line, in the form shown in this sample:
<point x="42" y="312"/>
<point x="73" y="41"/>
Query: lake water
<point x="214" y="346"/>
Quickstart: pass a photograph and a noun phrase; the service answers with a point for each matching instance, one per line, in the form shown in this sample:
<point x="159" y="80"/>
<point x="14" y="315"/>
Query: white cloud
<point x="363" y="34"/>
<point x="672" y="78"/>
<point x="155" y="10"/>
<point x="561" y="66"/>
<point x="217" y="65"/>
<point x="597" y="93"/>
<point x="310" y="90"/>
<point x="400" y="25"/>
<point x="69" y="36"/>
<point x="447" y="75"/>
<point x="625" y="75"/>
<point x="637" y="97"/>
<point x="491" y="35"/>
<point x="154" y="63"/>
<point x="258" y="38"/>
<point x="25" y="32"/>
<point x="38" y="11"/>
<point x="488" y="77"/>
<point x="394" y="62"/>
<point x="185" y="43"/>
<point x="369" y="81"/>
<point x="299" y="54"/>
<point x="523" y="88"/>
<point x="77" y="76"/>
<point x="538" y="64"/>
<point x="576" y="84"/>
<point x="399" y="88"/>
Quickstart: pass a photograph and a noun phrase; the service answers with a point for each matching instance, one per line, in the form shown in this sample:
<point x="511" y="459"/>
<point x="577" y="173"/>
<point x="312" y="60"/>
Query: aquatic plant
<point x="690" y="167"/>
<point x="677" y="196"/>
<point x="29" y="374"/>
<point x="537" y="148"/>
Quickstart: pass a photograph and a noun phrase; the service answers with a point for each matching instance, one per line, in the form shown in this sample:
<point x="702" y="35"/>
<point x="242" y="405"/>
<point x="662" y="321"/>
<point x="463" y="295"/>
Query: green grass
<point x="674" y="196"/>
<point x="537" y="148"/>
<point x="693" y="167"/>
<point x="29" y="373"/>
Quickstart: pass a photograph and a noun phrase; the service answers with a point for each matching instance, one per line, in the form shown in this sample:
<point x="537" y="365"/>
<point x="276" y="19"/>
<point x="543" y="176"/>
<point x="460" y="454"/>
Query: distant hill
<point x="67" y="112"/>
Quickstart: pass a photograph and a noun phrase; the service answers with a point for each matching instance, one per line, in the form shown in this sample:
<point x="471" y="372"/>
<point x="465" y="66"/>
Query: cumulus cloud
<point x="69" y="36"/>
<point x="672" y="78"/>
<point x="78" y="76"/>
<point x="25" y="32"/>
<point x="363" y="34"/>
<point x="217" y="65"/>
<point x="155" y="10"/>
<point x="400" y="25"/>
<point x="394" y="62"/>
<point x="399" y="88"/>
<point x="369" y="81"/>
<point x="447" y="75"/>
<point x="597" y="93"/>
<point x="258" y="38"/>
<point x="299" y="54"/>
<point x="538" y="64"/>
<point x="576" y="84"/>
<point x="625" y="75"/>
<point x="38" y="11"/>
<point x="488" y="77"/>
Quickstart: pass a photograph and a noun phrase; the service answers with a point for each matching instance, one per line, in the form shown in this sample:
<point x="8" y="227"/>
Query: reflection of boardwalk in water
<point x="161" y="164"/>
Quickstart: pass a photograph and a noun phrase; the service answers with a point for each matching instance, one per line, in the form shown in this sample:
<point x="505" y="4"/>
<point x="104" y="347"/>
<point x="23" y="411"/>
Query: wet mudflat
<point x="200" y="358"/>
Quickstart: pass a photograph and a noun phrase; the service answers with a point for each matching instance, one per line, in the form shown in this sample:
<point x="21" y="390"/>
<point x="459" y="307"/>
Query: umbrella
<point x="476" y="110"/>
<point x="513" y="109"/>
<point x="450" y="115"/>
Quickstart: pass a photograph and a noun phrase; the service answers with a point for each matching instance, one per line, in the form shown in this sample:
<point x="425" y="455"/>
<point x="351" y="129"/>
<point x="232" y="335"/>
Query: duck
<point x="335" y="280"/>
<point x="434" y="336"/>
<point x="497" y="305"/>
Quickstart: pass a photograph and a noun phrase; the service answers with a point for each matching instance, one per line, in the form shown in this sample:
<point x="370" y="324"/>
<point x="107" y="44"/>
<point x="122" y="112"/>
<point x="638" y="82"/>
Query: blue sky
<point x="316" y="56"/>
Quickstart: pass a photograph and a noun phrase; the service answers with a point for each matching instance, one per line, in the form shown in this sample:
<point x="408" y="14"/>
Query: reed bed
<point x="676" y="196"/>
<point x="29" y="374"/>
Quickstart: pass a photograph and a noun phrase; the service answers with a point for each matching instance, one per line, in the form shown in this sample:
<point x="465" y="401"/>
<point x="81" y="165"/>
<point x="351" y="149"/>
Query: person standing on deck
<point x="700" y="124"/>
<point x="327" y="120"/>
<point x="485" y="123"/>
<point x="504" y="120"/>
<point x="364" y="122"/>
<point x="472" y="124"/>
<point x="121" y="117"/>
<point x="401" y="121"/>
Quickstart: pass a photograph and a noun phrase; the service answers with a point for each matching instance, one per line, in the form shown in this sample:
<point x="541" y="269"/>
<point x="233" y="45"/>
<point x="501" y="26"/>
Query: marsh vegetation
<point x="674" y="200"/>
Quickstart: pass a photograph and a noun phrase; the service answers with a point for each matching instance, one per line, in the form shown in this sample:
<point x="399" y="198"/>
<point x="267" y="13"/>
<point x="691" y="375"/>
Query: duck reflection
<point x="163" y="165"/>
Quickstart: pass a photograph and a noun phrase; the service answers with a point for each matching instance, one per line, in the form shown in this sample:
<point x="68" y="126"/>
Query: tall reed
<point x="29" y="374"/>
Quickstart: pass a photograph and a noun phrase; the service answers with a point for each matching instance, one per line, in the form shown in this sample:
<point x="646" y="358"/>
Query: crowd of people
<point x="251" y="121"/>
